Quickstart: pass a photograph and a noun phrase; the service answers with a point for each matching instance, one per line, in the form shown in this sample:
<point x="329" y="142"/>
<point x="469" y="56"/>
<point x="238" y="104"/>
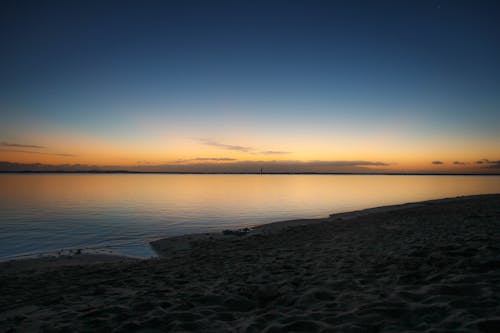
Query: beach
<point x="432" y="266"/>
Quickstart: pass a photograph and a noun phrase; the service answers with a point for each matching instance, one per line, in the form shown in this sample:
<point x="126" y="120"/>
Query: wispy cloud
<point x="212" y="143"/>
<point x="218" y="159"/>
<point x="12" y="148"/>
<point x="19" y="145"/>
<point x="35" y="152"/>
<point x="245" y="149"/>
<point x="274" y="152"/>
<point x="345" y="163"/>
<point x="207" y="159"/>
<point x="437" y="162"/>
<point x="63" y="154"/>
<point x="459" y="163"/>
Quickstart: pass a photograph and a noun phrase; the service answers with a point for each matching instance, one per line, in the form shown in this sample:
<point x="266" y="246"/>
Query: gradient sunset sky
<point x="327" y="86"/>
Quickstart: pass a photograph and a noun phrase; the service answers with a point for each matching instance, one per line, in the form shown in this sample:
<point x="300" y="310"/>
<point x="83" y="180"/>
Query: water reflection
<point x="47" y="211"/>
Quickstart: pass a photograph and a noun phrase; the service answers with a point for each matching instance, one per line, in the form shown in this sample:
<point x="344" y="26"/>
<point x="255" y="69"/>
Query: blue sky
<point x="251" y="72"/>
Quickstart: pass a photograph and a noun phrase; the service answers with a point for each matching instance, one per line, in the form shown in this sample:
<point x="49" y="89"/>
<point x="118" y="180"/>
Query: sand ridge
<point x="426" y="268"/>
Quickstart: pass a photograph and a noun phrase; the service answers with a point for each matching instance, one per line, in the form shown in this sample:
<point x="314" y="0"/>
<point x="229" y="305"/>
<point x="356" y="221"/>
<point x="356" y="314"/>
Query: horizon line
<point x="250" y="173"/>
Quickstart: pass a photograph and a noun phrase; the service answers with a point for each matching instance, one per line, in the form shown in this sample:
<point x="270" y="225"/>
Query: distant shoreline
<point x="248" y="173"/>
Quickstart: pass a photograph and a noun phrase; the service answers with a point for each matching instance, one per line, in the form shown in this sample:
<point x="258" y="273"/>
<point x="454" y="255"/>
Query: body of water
<point x="122" y="212"/>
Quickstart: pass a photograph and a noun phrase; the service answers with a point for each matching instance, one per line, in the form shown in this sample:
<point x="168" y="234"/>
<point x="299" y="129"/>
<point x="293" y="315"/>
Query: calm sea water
<point x="122" y="212"/>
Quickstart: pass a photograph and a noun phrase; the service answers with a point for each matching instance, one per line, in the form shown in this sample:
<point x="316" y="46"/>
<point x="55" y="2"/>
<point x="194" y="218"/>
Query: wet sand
<point x="428" y="267"/>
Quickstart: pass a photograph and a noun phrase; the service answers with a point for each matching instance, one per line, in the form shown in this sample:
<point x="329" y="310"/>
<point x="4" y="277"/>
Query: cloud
<point x="226" y="165"/>
<point x="493" y="165"/>
<point x="214" y="159"/>
<point x="39" y="167"/>
<point x="62" y="154"/>
<point x="207" y="159"/>
<point x="35" y="152"/>
<point x="345" y="163"/>
<point x="274" y="152"/>
<point x="23" y="151"/>
<point x="488" y="164"/>
<point x="289" y="166"/>
<point x="212" y="143"/>
<point x="244" y="149"/>
<point x="18" y="145"/>
<point x="459" y="163"/>
<point x="437" y="162"/>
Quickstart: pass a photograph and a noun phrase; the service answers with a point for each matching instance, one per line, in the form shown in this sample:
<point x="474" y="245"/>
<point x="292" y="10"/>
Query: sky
<point x="235" y="86"/>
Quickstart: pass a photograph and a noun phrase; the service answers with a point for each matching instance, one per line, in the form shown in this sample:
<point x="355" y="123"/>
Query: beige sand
<point x="432" y="266"/>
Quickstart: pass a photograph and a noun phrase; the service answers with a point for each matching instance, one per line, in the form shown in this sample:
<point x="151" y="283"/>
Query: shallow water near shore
<point x="123" y="212"/>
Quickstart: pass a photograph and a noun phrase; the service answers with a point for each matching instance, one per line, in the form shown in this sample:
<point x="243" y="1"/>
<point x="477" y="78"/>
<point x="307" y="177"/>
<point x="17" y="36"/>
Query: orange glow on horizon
<point x="398" y="154"/>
